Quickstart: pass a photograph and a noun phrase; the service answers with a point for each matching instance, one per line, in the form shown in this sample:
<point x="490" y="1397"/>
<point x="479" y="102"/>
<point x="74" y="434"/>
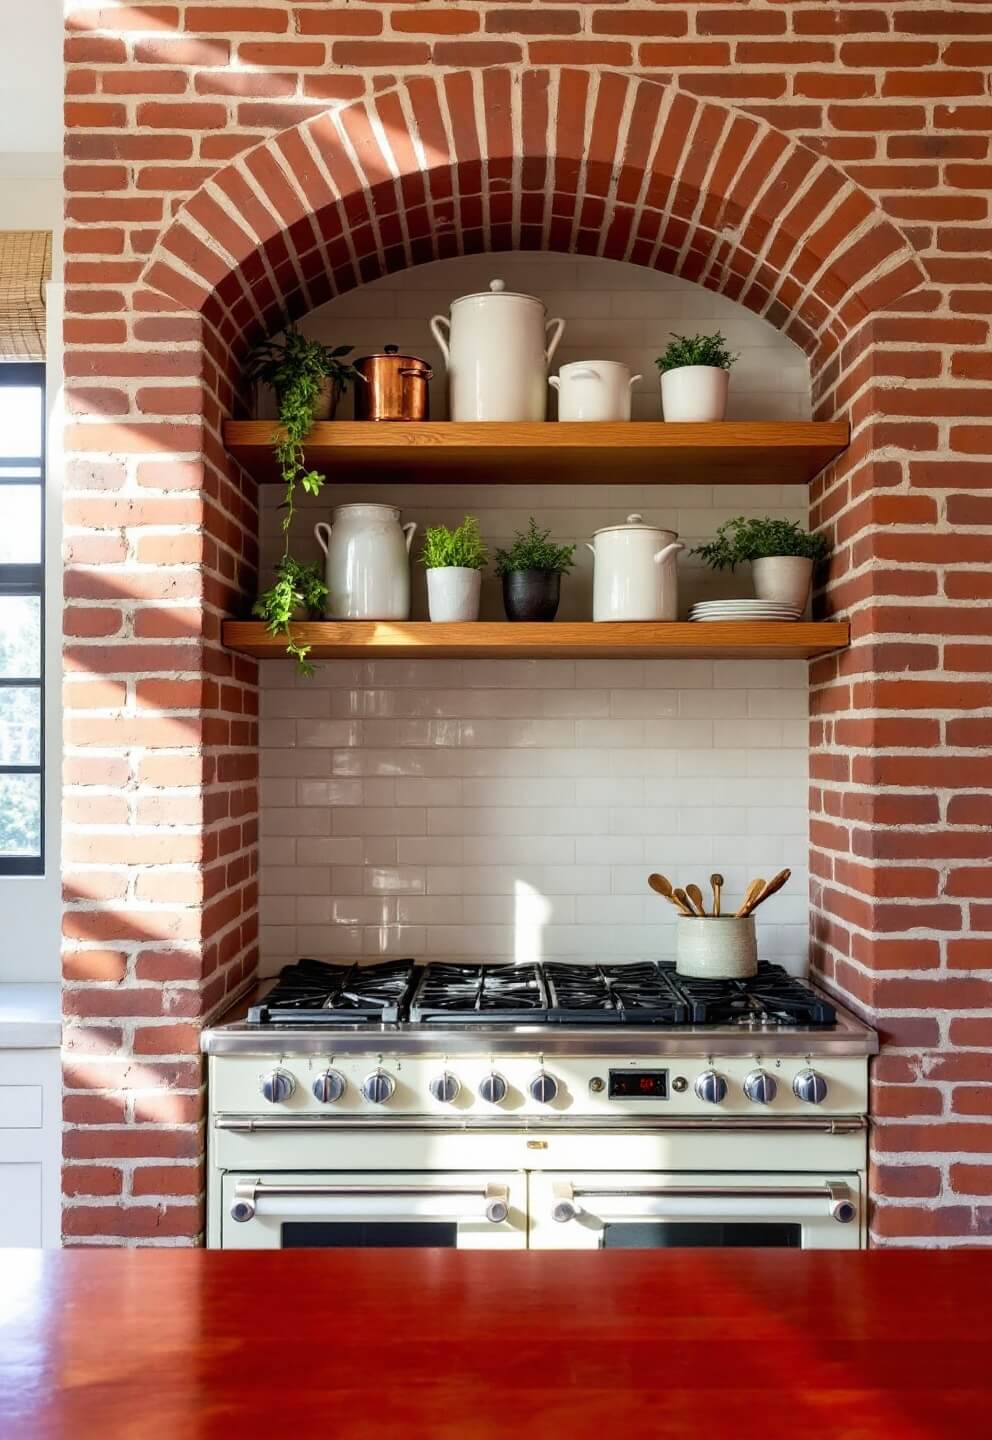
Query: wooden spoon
<point x="774" y="884"/>
<point x="717" y="882"/>
<point x="684" y="902"/>
<point x="753" y="891"/>
<point x="661" y="885"/>
<point x="696" y="896"/>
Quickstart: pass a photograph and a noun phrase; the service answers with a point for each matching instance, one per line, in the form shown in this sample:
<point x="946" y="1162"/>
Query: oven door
<point x="675" y="1210"/>
<point x="477" y="1211"/>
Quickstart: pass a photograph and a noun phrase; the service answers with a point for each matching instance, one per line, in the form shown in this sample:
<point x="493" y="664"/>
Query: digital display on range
<point x="638" y="1084"/>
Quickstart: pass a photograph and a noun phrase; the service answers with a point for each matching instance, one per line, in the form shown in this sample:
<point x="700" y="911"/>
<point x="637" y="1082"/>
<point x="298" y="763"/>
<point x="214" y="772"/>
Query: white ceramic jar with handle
<point x="497" y="347"/>
<point x="594" y="390"/>
<point x="368" y="563"/>
<point x="635" y="574"/>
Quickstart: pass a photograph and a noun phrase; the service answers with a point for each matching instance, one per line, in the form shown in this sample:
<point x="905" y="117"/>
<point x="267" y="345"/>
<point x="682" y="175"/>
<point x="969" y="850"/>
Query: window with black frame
<point x="22" y="545"/>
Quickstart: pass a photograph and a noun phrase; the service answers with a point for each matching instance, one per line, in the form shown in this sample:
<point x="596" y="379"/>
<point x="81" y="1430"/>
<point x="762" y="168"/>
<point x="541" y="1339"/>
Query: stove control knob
<point x="711" y="1087"/>
<point x="810" y="1087"/>
<point x="445" y="1088"/>
<point x="492" y="1088"/>
<point x="378" y="1087"/>
<point x="760" y="1087"/>
<point x="543" y="1087"/>
<point x="277" y="1086"/>
<point x="328" y="1087"/>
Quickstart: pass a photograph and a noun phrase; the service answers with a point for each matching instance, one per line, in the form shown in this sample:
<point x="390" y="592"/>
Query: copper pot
<point x="392" y="386"/>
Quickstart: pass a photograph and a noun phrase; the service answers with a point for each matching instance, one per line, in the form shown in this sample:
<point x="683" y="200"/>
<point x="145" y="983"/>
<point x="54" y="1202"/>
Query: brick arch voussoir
<point x="554" y="159"/>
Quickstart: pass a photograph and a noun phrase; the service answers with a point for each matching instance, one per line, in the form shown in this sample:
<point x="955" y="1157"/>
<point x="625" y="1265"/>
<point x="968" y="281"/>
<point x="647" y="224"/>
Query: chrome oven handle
<point x="492" y="1201"/>
<point x="712" y="1201"/>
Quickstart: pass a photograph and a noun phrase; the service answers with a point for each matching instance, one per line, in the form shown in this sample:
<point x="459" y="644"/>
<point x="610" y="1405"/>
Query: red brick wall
<point x="825" y="164"/>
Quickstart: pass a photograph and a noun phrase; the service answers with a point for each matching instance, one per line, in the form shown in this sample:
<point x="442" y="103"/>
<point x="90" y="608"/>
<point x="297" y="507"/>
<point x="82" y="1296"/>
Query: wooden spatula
<point x="774" y="884"/>
<point x="661" y="885"/>
<point x="717" y="882"/>
<point x="696" y="896"/>
<point x="753" y="891"/>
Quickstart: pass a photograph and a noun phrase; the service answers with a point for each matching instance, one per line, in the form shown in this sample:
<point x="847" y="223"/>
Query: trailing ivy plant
<point x="756" y="538"/>
<point x="534" y="550"/>
<point x="464" y="546"/>
<point x="685" y="350"/>
<point x="296" y="368"/>
<point x="297" y="587"/>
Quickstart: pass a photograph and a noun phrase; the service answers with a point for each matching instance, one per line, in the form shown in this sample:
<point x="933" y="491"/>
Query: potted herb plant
<point x="309" y="380"/>
<point x="454" y="560"/>
<point x="781" y="552"/>
<point x="695" y="376"/>
<point x="531" y="572"/>
<point x="298" y="593"/>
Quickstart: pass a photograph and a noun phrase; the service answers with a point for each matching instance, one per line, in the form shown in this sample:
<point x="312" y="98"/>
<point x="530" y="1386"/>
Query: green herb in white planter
<point x="781" y="552"/>
<point x="454" y="560"/>
<point x="695" y="375"/>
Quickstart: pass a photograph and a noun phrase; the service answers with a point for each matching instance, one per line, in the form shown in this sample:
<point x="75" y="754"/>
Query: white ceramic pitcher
<point x="368" y="563"/>
<point x="635" y="576"/>
<point x="497" y="350"/>
<point x="594" y="390"/>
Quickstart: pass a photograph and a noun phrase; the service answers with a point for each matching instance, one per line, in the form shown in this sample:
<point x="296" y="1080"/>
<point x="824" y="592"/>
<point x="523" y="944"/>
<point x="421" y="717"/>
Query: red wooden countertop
<point x="193" y="1345"/>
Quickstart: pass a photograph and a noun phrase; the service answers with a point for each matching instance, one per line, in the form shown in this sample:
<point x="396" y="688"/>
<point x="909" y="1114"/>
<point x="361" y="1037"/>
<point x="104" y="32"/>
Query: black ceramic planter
<point x="531" y="594"/>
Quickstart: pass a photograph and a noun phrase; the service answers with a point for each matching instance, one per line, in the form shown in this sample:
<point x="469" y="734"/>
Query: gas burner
<point x="639" y="993"/>
<point x="772" y="997"/>
<point x="486" y="994"/>
<point x="313" y="993"/>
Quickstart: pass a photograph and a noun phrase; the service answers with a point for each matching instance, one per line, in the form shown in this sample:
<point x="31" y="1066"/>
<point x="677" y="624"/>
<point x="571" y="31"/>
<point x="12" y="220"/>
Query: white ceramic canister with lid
<point x="497" y="349"/>
<point x="594" y="390"/>
<point x="635" y="574"/>
<point x="368" y="563"/>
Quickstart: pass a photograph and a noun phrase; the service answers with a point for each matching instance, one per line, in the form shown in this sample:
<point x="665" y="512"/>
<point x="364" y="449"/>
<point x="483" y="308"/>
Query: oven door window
<point x="368" y="1235"/>
<point x="713" y="1234"/>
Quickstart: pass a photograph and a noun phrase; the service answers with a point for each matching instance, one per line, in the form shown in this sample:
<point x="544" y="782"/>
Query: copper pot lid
<point x="392" y="352"/>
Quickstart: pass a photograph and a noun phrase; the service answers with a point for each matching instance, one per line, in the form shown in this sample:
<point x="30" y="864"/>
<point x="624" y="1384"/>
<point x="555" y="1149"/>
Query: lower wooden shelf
<point x="374" y="639"/>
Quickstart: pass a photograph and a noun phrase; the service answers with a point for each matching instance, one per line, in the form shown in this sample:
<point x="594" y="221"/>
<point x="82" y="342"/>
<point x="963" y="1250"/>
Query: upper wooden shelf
<point x="557" y="453"/>
<point x="561" y="639"/>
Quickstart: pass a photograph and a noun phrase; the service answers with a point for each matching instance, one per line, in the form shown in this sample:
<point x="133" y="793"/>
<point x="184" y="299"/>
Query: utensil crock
<point x="715" y="947"/>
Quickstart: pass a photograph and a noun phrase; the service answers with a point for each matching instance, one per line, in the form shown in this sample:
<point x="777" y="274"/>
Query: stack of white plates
<point x="743" y="610"/>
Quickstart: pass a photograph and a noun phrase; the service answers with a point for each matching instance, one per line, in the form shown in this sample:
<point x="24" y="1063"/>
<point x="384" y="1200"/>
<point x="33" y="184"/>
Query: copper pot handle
<point x="427" y="372"/>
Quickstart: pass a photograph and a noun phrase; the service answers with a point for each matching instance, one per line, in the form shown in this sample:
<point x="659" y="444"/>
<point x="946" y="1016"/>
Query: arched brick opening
<point x="432" y="167"/>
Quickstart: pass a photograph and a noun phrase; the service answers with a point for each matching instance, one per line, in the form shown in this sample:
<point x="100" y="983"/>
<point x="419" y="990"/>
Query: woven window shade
<point x="25" y="269"/>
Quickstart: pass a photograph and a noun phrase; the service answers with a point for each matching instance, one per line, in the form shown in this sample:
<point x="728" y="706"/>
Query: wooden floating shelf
<point x="565" y="453"/>
<point x="419" y="639"/>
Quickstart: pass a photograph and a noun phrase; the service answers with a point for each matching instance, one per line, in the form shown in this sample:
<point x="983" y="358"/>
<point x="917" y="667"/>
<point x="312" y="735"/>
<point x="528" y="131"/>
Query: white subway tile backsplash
<point x="513" y="808"/>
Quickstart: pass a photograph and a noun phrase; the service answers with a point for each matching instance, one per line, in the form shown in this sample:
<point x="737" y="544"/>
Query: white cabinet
<point x="30" y="1147"/>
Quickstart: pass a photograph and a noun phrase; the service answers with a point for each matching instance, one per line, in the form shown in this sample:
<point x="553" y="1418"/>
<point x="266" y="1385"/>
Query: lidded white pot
<point x="594" y="390"/>
<point x="497" y="349"/>
<point x="368" y="562"/>
<point x="635" y="573"/>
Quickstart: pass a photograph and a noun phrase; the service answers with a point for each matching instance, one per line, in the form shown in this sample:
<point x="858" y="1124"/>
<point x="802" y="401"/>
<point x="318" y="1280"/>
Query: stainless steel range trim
<point x="432" y="1124"/>
<point x="848" y="1037"/>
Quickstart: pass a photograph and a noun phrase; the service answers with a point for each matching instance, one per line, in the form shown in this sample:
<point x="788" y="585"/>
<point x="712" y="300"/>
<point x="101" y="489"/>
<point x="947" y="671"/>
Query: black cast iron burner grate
<point x="312" y="992"/>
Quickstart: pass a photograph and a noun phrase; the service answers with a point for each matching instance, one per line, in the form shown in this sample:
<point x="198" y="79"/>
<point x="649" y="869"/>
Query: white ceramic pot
<point x="594" y="390"/>
<point x="453" y="593"/>
<point x="368" y="563"/>
<point x="497" y="350"/>
<point x="635" y="573"/>
<point x="784" y="578"/>
<point x="716" y="947"/>
<point x="694" y="393"/>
